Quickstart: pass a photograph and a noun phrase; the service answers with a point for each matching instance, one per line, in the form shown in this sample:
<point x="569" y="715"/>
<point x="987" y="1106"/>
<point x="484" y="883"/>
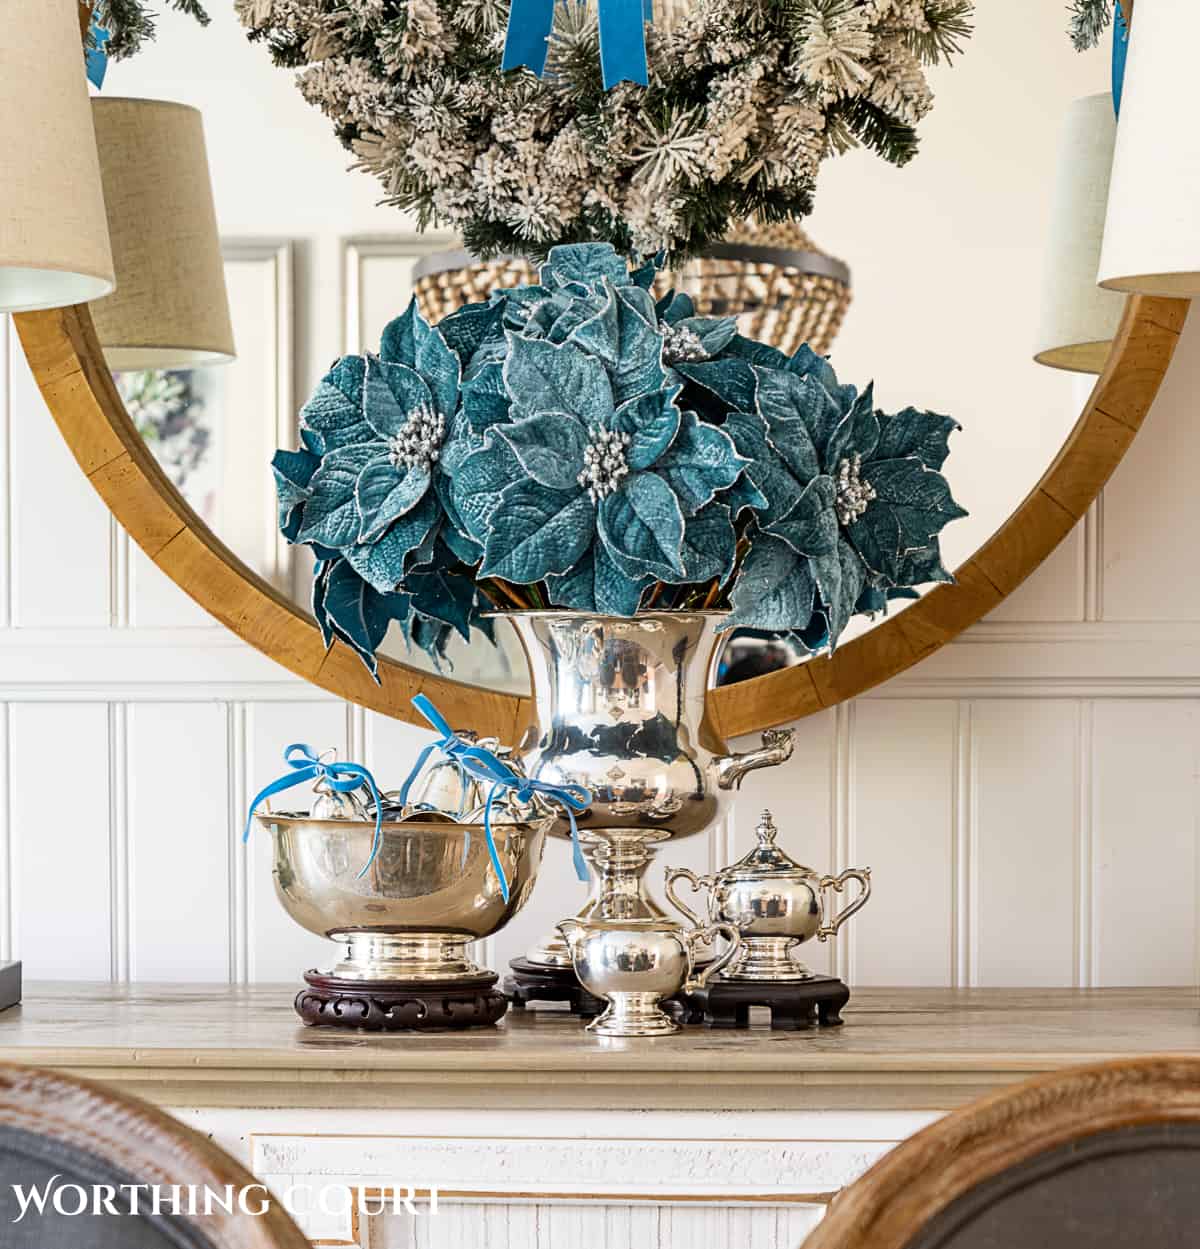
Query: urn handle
<point x="697" y="883"/>
<point x="837" y="883"/>
<point x="700" y="936"/>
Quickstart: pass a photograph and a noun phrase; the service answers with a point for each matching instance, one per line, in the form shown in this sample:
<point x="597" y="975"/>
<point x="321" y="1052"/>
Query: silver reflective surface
<point x="775" y="905"/>
<point x="635" y="965"/>
<point x="620" y="710"/>
<point x="430" y="891"/>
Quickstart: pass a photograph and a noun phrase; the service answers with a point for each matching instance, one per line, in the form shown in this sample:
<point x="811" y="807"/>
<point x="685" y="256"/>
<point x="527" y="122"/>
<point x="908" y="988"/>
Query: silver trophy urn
<point x="620" y="709"/>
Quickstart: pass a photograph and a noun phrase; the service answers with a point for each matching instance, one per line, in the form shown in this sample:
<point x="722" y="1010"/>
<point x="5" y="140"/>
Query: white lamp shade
<point x="54" y="247"/>
<point x="1152" y="235"/>
<point x="1078" y="320"/>
<point x="171" y="309"/>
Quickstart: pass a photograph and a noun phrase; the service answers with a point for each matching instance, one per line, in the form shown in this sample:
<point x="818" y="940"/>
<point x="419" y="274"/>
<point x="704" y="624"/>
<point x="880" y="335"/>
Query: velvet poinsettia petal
<point x="675" y="306"/>
<point x="761" y="354"/>
<point x="485" y="400"/>
<point x="479" y="482"/>
<point x="410" y="340"/>
<point x="462" y="545"/>
<point x="331" y="515"/>
<point x="334" y="413"/>
<point x="549" y="447"/>
<point x="911" y="432"/>
<point x="624" y="334"/>
<point x="391" y="394"/>
<point x="731" y="382"/>
<point x="293" y="471"/>
<point x="765" y="471"/>
<point x="587" y="264"/>
<point x="856" y="434"/>
<point x="467" y="328"/>
<point x="912" y="505"/>
<point x="384" y="561"/>
<point x="775" y="588"/>
<point x="792" y="408"/>
<point x="545" y="378"/>
<point x="840" y="577"/>
<point x="445" y="596"/>
<point x="806" y="363"/>
<point x="642" y="526"/>
<point x="597" y="584"/>
<point x="811" y="527"/>
<point x="701" y="462"/>
<point x="535" y="531"/>
<point x="651" y="421"/>
<point x="384" y="493"/>
<point x="358" y="613"/>
<point x="709" y="546"/>
<point x="320" y="586"/>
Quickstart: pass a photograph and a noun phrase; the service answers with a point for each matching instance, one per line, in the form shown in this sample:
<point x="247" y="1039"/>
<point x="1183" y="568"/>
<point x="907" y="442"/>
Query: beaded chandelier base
<point x="782" y="288"/>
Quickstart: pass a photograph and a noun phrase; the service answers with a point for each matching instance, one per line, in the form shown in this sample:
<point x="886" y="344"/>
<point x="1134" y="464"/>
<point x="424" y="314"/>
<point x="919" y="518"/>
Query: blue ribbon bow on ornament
<point x="342" y="778"/>
<point x="622" y="37"/>
<point x="482" y="765"/>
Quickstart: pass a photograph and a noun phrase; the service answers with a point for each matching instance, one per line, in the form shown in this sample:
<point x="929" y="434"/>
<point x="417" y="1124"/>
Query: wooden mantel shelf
<point x="199" y="1046"/>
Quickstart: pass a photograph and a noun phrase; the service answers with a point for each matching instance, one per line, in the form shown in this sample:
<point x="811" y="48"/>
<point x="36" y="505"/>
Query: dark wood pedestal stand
<point x="400" y="1006"/>
<point x="535" y="982"/>
<point x="794" y="1005"/>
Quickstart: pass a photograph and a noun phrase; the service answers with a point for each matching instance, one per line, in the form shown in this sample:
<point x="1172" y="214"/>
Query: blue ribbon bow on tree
<point x="342" y="778"/>
<point x="482" y="765"/>
<point x="97" y="57"/>
<point x="1120" y="56"/>
<point x="622" y="37"/>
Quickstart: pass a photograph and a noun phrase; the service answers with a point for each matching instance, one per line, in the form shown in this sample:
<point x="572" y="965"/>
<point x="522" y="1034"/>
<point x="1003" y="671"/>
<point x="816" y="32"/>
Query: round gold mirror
<point x="947" y="256"/>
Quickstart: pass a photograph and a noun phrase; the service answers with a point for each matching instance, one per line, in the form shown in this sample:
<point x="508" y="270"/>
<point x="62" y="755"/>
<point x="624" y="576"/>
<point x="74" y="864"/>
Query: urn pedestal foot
<point x="400" y="1006"/>
<point x="795" y="1005"/>
<point x="535" y="982"/>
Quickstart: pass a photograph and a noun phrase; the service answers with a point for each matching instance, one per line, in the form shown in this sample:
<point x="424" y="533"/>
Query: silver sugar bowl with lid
<point x="775" y="903"/>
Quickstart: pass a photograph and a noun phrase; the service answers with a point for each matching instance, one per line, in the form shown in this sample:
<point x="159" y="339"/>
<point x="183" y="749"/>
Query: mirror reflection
<point x="926" y="279"/>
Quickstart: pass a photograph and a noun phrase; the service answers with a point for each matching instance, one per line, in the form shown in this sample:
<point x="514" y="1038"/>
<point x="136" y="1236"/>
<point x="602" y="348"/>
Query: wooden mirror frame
<point x="70" y="370"/>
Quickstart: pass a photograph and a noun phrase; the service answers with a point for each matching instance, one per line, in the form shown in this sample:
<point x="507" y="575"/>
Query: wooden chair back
<point x="60" y="1134"/>
<point x="1103" y="1157"/>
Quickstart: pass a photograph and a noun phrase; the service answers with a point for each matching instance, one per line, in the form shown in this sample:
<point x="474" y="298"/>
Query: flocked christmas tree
<point x="745" y="99"/>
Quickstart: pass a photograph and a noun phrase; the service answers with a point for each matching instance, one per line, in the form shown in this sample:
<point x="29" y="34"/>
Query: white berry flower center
<point x="682" y="345"/>
<point x="419" y="442"/>
<point x="604" y="462"/>
<point x="853" y="494"/>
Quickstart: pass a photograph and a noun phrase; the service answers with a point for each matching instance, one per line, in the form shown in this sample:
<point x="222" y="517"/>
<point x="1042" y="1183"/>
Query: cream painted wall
<point x="1027" y="798"/>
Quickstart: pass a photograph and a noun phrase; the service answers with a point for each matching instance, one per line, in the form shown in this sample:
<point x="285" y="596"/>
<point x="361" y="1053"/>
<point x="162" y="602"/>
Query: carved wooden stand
<point x="793" y="1005"/>
<point x="535" y="982"/>
<point x="400" y="1006"/>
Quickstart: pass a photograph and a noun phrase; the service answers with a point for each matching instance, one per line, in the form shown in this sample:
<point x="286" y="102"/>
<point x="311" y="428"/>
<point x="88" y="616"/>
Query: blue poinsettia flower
<point x="576" y="438"/>
<point x="379" y="423"/>
<point x="851" y="500"/>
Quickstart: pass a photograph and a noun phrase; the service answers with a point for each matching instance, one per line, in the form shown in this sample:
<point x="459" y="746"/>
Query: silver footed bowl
<point x="429" y="893"/>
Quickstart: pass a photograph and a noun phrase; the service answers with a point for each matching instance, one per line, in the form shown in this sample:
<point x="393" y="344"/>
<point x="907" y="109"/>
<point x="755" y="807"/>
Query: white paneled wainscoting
<point x="1027" y="798"/>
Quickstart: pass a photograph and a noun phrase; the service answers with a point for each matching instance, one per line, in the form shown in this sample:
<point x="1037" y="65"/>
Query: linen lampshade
<point x="1078" y="320"/>
<point x="170" y="309"/>
<point x="54" y="247"/>
<point x="1152" y="235"/>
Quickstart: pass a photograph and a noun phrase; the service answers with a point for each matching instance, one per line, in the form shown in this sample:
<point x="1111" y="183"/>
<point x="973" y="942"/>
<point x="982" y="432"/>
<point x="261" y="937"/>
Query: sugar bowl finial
<point x="766" y="830"/>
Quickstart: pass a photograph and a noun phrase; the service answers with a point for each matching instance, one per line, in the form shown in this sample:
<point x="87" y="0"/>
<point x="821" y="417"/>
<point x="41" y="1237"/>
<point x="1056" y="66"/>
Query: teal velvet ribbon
<point x="342" y="778"/>
<point x="622" y="38"/>
<point x="482" y="765"/>
<point x="1120" y="56"/>
<point x="97" y="57"/>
